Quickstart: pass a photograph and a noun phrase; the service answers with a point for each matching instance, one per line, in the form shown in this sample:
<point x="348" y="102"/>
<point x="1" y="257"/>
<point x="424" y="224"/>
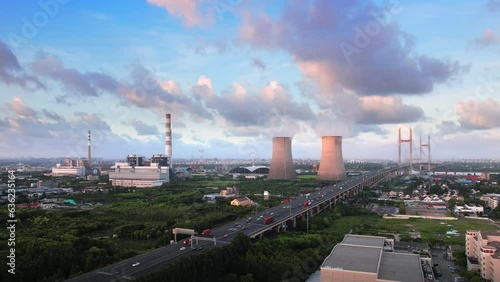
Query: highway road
<point x="156" y="259"/>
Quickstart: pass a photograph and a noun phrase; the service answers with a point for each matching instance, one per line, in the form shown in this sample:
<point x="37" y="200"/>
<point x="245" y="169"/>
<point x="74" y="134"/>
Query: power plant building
<point x="71" y="167"/>
<point x="136" y="173"/>
<point x="282" y="161"/>
<point x="331" y="166"/>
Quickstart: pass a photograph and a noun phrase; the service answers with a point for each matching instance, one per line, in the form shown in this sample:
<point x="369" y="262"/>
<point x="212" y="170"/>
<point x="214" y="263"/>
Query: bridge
<point x="284" y="215"/>
<point x="288" y="213"/>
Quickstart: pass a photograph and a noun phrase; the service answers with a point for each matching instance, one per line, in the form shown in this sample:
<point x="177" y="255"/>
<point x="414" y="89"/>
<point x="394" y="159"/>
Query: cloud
<point x="210" y="46"/>
<point x="143" y="129"/>
<point x="384" y="110"/>
<point x="189" y="10"/>
<point x="11" y="71"/>
<point x="19" y="107"/>
<point x="447" y="127"/>
<point x="487" y="38"/>
<point x="370" y="128"/>
<point x="494" y="6"/>
<point x="91" y="84"/>
<point x="381" y="59"/>
<point x="52" y="115"/>
<point x="479" y="114"/>
<point x="272" y="108"/>
<point x="146" y="89"/>
<point x="258" y="63"/>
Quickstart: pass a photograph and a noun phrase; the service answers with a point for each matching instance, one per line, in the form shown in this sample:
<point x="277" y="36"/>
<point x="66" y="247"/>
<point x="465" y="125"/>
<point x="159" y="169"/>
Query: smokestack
<point x="89" y="150"/>
<point x="168" y="138"/>
<point x="282" y="162"/>
<point x="331" y="166"/>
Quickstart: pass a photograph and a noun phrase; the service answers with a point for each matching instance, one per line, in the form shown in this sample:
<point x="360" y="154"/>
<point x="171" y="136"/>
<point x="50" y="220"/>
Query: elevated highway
<point x="285" y="215"/>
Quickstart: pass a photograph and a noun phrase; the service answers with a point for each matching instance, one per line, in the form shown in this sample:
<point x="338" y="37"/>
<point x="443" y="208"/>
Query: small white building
<point x="469" y="209"/>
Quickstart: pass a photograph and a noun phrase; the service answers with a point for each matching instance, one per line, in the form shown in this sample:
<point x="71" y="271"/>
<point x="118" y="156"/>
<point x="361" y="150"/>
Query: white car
<point x="136" y="264"/>
<point x="182" y="249"/>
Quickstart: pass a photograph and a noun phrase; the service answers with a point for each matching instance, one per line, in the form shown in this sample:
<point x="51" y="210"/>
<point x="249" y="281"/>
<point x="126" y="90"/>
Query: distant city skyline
<point x="235" y="74"/>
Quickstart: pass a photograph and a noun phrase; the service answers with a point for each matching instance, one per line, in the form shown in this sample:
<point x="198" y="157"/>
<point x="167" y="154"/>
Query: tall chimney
<point x="168" y="138"/>
<point x="282" y="161"/>
<point x="89" y="151"/>
<point x="331" y="166"/>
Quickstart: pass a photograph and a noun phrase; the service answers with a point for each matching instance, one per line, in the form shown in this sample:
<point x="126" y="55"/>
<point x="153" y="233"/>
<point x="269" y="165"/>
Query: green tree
<point x="460" y="258"/>
<point x="246" y="278"/>
<point x="402" y="209"/>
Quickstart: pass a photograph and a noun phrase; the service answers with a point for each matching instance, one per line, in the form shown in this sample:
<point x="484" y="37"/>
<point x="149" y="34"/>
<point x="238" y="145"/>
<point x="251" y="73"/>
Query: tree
<point x="460" y="258"/>
<point x="402" y="209"/>
<point x="246" y="278"/>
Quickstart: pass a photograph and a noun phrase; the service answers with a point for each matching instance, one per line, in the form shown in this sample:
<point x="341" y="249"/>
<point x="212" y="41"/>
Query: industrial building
<point x="331" y="165"/>
<point x="482" y="249"/>
<point x="250" y="171"/>
<point x="282" y="161"/>
<point x="71" y="167"/>
<point x="370" y="258"/>
<point x="139" y="172"/>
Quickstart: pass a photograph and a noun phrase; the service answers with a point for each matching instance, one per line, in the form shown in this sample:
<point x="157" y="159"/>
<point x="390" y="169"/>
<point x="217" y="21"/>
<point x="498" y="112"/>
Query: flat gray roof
<point x="400" y="267"/>
<point x="363" y="240"/>
<point x="354" y="258"/>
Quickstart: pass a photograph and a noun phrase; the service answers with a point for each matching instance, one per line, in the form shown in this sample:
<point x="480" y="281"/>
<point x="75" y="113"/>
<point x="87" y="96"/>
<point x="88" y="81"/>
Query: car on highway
<point x="136" y="264"/>
<point x="182" y="248"/>
<point x="225" y="235"/>
<point x="199" y="249"/>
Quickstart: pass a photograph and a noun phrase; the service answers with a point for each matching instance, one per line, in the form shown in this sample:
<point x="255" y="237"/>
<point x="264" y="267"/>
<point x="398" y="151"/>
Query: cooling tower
<point x="282" y="162"/>
<point x="331" y="166"/>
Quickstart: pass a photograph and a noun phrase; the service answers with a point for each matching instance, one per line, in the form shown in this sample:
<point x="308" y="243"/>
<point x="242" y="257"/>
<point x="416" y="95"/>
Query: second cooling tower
<point x="282" y="162"/>
<point x="331" y="166"/>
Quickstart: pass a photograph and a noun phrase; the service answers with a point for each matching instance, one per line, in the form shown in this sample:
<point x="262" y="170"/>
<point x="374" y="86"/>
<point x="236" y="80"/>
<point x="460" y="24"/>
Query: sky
<point x="236" y="73"/>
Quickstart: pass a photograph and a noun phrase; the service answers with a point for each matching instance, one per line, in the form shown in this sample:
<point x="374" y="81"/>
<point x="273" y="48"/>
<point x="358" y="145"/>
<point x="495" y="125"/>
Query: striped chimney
<point x="168" y="138"/>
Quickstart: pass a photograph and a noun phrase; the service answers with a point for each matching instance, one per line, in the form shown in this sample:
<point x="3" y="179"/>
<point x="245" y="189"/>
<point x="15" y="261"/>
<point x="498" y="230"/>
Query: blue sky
<point x="233" y="80"/>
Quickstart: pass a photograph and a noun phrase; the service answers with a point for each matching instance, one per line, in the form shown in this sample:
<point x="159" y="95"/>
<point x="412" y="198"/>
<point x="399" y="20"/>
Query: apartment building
<point x="482" y="249"/>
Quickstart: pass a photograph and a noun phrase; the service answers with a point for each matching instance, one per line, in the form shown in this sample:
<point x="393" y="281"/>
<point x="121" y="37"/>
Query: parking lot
<point x="424" y="211"/>
<point x="384" y="209"/>
<point x="444" y="266"/>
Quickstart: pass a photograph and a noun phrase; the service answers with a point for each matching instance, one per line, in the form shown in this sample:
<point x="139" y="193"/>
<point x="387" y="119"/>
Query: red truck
<point x="206" y="232"/>
<point x="268" y="220"/>
<point x="306" y="203"/>
<point x="186" y="242"/>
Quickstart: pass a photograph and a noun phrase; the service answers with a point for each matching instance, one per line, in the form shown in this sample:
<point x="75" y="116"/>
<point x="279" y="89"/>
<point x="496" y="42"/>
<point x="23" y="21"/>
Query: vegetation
<point x="54" y="245"/>
<point x="289" y="256"/>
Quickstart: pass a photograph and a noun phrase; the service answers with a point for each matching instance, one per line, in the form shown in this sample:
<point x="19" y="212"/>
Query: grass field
<point x="307" y="176"/>
<point x="432" y="231"/>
